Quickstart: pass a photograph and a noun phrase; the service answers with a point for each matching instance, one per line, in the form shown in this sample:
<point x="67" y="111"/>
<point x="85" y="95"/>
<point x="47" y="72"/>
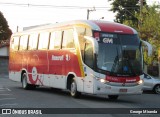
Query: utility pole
<point x="17" y="29"/>
<point x="88" y="11"/>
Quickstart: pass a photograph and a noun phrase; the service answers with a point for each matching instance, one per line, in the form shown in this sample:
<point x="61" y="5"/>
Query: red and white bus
<point x="85" y="56"/>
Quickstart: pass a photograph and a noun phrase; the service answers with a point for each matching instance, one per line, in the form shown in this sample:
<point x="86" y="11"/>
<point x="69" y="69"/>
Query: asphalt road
<point x="13" y="96"/>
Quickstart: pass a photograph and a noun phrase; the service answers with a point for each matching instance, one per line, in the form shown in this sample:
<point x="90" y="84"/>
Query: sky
<point x="25" y="13"/>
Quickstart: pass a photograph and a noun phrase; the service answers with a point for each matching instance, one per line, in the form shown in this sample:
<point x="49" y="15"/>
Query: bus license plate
<point x="123" y="90"/>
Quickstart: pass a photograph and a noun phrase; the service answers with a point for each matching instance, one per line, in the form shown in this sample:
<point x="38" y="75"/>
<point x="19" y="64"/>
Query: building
<point x="4" y="56"/>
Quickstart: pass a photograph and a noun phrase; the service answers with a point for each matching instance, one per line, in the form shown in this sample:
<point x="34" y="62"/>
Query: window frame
<point x="36" y="43"/>
<point x="20" y="39"/>
<point x="41" y="40"/>
<point x="68" y="39"/>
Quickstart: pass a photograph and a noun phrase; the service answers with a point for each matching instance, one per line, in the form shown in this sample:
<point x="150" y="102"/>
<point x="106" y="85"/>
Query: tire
<point x="73" y="90"/>
<point x="25" y="84"/>
<point x="156" y="89"/>
<point x="113" y="97"/>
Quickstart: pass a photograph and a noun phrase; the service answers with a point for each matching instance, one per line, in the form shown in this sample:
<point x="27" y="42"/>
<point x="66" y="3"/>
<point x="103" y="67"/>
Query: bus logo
<point x="57" y="58"/>
<point x="68" y="57"/>
<point x="108" y="40"/>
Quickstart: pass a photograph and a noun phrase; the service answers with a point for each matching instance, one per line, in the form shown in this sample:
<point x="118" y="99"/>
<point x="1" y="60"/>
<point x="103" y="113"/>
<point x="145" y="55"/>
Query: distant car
<point x="151" y="83"/>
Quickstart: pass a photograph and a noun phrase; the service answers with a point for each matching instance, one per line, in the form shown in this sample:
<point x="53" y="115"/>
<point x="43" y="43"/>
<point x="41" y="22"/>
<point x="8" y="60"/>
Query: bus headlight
<point x="140" y="82"/>
<point x="104" y="81"/>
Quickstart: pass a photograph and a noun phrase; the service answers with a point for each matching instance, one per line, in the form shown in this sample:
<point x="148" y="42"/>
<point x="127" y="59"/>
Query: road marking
<point x="4" y="89"/>
<point x="14" y="104"/>
<point x="7" y="99"/>
<point x="8" y="89"/>
<point x="5" y="94"/>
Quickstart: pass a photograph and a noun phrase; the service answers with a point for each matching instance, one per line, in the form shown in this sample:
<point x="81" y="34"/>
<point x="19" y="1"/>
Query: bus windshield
<point x="119" y="54"/>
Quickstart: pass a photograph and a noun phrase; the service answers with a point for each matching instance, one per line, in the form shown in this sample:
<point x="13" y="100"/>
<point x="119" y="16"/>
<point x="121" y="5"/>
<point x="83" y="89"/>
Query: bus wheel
<point x="25" y="85"/>
<point x="113" y="97"/>
<point x="73" y="90"/>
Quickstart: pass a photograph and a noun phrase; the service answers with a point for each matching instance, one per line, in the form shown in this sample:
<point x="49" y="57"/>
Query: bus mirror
<point x="148" y="46"/>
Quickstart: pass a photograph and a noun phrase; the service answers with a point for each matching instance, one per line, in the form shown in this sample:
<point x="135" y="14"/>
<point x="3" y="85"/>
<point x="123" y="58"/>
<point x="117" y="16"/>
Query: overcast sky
<point x="24" y="13"/>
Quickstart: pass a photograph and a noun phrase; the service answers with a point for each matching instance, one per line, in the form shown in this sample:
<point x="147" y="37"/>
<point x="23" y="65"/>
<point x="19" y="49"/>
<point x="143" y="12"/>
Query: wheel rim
<point x="24" y="82"/>
<point x="157" y="89"/>
<point x="73" y="88"/>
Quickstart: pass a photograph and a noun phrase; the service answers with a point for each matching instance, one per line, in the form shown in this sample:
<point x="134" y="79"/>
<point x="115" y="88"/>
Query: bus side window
<point x="33" y="40"/>
<point x="55" y="40"/>
<point x="88" y="54"/>
<point x="23" y="42"/>
<point x="82" y="45"/>
<point x="68" y="39"/>
<point x="83" y="31"/>
<point x="43" y="41"/>
<point x="15" y="43"/>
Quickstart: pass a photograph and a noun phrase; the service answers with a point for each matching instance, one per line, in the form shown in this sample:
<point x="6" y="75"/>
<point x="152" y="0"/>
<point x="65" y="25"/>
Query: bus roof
<point x="97" y="25"/>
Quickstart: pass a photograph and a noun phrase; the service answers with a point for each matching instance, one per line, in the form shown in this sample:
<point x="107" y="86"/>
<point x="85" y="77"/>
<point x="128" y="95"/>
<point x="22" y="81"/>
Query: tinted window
<point x="55" y="40"/>
<point x="15" y="43"/>
<point x="68" y="39"/>
<point x="84" y="31"/>
<point x="23" y="42"/>
<point x="88" y="54"/>
<point x="33" y="40"/>
<point x="43" y="41"/>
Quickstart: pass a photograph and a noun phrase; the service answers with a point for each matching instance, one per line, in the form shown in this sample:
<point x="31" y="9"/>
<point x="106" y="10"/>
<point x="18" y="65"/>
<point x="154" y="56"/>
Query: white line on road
<point x="9" y="104"/>
<point x="5" y="94"/>
<point x="4" y="89"/>
<point x="7" y="99"/>
<point x="8" y="89"/>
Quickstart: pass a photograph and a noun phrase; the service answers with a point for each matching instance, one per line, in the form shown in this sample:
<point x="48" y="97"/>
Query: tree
<point x="126" y="10"/>
<point x="150" y="29"/>
<point x="5" y="32"/>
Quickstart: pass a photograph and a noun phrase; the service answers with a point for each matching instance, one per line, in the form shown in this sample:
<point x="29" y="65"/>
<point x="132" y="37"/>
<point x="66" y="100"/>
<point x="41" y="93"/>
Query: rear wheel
<point x="25" y="84"/>
<point x="113" y="97"/>
<point x="157" y="89"/>
<point x="73" y="90"/>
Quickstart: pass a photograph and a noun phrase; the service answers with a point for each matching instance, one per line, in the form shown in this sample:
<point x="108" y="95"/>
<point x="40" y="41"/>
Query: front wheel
<point x="25" y="84"/>
<point x="73" y="90"/>
<point x="113" y="97"/>
<point x="157" y="89"/>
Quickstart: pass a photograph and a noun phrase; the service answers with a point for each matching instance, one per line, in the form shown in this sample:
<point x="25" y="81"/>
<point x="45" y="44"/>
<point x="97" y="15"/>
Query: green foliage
<point x="126" y="10"/>
<point x="149" y="29"/>
<point x="5" y="32"/>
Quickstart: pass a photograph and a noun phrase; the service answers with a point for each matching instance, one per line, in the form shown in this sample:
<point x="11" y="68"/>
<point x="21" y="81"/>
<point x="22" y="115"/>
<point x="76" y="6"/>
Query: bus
<point x="83" y="56"/>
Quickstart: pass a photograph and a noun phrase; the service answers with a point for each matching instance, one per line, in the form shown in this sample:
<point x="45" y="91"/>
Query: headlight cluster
<point x="140" y="81"/>
<point x="103" y="80"/>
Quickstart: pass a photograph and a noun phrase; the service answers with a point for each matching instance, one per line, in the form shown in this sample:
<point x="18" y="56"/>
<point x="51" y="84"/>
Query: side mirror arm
<point x="149" y="47"/>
